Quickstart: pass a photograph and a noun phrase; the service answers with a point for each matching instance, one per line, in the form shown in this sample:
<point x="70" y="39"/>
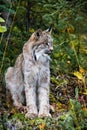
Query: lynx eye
<point x="47" y="44"/>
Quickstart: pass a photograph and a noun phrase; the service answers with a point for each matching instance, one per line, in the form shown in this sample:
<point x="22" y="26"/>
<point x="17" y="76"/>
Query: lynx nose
<point x="51" y="48"/>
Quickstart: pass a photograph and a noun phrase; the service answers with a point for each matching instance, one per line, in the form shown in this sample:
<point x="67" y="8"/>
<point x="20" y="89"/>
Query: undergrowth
<point x="74" y="119"/>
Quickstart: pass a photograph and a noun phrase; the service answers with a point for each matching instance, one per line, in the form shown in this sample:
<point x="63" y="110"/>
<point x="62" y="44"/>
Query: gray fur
<point x="30" y="79"/>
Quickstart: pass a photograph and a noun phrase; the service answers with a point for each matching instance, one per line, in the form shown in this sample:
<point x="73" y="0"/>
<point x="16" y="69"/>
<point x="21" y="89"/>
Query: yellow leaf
<point x="72" y="44"/>
<point x="70" y="29"/>
<point x="42" y="126"/>
<point x="31" y="30"/>
<point x="81" y="70"/>
<point x="78" y="75"/>
<point x="85" y="109"/>
<point x="85" y="93"/>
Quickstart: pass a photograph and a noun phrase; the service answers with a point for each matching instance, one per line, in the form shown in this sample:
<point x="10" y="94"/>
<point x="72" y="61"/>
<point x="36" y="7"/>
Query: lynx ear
<point x="49" y="30"/>
<point x="38" y="33"/>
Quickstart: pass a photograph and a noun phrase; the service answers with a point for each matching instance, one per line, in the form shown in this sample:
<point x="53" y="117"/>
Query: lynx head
<point x="46" y="48"/>
<point x="42" y="37"/>
<point x="49" y="43"/>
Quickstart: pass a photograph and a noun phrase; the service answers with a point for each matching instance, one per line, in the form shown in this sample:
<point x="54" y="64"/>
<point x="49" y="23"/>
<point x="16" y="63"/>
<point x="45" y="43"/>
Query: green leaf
<point x="79" y="18"/>
<point x="2" y="20"/>
<point x="11" y="11"/>
<point x="76" y="92"/>
<point x="3" y="29"/>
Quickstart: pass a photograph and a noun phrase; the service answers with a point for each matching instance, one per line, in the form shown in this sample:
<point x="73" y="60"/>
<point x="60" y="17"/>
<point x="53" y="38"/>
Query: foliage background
<point x="69" y="58"/>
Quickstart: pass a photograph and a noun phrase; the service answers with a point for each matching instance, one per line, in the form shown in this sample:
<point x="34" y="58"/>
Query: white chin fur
<point x="48" y="57"/>
<point x="45" y="55"/>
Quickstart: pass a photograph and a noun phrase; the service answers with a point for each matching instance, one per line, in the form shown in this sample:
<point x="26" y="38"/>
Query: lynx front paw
<point x="31" y="115"/>
<point x="31" y="112"/>
<point x="42" y="115"/>
<point x="23" y="109"/>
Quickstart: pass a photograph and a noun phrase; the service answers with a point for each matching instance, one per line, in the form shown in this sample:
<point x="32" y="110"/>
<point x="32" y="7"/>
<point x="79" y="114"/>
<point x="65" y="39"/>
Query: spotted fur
<point x="29" y="80"/>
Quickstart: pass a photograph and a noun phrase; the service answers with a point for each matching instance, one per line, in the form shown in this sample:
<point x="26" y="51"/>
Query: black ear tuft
<point x="50" y="28"/>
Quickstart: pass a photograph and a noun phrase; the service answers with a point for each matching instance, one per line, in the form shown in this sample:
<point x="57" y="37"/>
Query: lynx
<point x="29" y="80"/>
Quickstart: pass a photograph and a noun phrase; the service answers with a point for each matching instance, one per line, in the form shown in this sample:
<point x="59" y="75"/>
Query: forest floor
<point x="68" y="105"/>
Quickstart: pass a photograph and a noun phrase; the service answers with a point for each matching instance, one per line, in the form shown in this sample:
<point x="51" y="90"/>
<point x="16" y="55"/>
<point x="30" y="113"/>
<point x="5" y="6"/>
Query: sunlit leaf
<point x="2" y="20"/>
<point x="78" y="75"/>
<point x="85" y="93"/>
<point x="31" y="30"/>
<point x="3" y="29"/>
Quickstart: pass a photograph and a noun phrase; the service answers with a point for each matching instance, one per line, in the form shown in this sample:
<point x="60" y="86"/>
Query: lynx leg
<point x="43" y="95"/>
<point x="15" y="97"/>
<point x="15" y="88"/>
<point x="30" y="93"/>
